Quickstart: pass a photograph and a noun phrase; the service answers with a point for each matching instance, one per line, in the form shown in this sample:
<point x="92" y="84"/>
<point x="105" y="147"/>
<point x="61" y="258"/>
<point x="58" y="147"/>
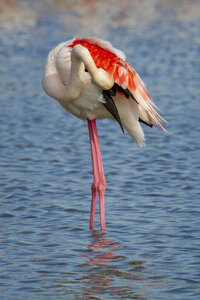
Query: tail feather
<point x="148" y="109"/>
<point x="129" y="115"/>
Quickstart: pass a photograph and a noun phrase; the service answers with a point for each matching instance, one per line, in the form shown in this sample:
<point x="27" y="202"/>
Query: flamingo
<point x="93" y="80"/>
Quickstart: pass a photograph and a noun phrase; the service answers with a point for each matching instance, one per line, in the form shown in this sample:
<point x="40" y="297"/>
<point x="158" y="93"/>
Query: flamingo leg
<point x="99" y="182"/>
<point x="94" y="186"/>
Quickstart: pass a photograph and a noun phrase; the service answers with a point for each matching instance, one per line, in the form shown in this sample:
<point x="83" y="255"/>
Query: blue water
<point x="151" y="247"/>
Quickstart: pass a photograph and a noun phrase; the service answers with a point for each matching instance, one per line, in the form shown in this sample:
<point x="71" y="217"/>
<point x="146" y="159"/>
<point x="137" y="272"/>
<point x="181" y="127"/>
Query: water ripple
<point x="151" y="246"/>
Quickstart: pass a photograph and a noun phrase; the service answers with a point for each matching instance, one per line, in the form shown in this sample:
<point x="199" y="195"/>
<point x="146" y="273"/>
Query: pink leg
<point x="102" y="181"/>
<point x="99" y="183"/>
<point x="94" y="186"/>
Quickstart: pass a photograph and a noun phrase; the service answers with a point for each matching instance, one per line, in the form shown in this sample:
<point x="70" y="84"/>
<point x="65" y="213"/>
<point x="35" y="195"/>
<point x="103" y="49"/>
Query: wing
<point x="127" y="81"/>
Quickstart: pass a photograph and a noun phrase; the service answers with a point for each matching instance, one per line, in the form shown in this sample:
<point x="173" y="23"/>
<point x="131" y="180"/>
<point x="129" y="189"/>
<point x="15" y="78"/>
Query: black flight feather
<point x="126" y="92"/>
<point x="111" y="107"/>
<point x="112" y="91"/>
<point x="131" y="95"/>
<point x="150" y="125"/>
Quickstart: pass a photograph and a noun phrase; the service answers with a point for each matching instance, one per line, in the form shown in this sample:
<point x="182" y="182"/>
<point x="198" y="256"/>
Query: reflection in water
<point x="103" y="245"/>
<point x="102" y="273"/>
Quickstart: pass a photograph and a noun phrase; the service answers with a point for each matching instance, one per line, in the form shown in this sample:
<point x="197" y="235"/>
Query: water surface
<point x="150" y="249"/>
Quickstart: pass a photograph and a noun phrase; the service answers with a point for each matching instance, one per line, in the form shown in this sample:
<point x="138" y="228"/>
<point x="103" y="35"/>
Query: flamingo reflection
<point x="98" y="274"/>
<point x="103" y="245"/>
<point x="100" y="249"/>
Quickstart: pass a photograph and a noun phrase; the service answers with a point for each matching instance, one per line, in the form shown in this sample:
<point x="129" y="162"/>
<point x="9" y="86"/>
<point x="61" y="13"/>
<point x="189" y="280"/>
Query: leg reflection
<point x="102" y="275"/>
<point x="102" y="250"/>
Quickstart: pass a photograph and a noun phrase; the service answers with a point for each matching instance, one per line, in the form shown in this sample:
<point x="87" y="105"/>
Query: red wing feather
<point x="122" y="73"/>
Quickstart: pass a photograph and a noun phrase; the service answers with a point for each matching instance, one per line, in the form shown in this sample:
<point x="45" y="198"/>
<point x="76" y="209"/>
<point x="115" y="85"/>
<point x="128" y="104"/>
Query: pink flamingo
<point x="92" y="80"/>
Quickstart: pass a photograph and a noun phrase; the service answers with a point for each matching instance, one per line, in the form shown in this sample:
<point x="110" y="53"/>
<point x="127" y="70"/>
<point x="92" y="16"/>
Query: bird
<point x="93" y="80"/>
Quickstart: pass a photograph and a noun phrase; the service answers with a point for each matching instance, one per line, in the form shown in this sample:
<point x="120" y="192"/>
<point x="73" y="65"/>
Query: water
<point x="151" y="247"/>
